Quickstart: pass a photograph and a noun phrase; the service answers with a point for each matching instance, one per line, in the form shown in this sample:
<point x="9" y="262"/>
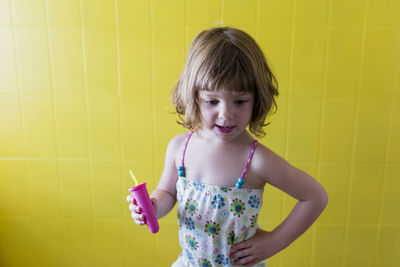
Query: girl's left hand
<point x="260" y="247"/>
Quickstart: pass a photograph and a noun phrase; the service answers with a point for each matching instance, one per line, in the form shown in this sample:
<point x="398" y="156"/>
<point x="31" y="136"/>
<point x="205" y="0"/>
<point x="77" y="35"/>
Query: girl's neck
<point x="209" y="138"/>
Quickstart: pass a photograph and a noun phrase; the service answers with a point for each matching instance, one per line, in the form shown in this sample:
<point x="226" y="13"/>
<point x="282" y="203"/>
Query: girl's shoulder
<point x="267" y="164"/>
<point x="176" y="144"/>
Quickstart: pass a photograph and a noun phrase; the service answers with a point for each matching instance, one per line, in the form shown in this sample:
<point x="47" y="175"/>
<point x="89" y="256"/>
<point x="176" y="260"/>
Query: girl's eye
<point x="240" y="102"/>
<point x="212" y="102"/>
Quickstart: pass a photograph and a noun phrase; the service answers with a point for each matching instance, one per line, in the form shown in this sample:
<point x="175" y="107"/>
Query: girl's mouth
<point x="225" y="129"/>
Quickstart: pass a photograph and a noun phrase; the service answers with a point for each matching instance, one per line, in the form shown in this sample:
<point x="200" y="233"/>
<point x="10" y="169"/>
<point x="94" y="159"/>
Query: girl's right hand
<point x="136" y="211"/>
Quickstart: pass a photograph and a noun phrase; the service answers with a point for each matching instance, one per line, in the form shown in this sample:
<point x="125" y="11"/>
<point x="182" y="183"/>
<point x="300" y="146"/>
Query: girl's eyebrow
<point x="212" y="94"/>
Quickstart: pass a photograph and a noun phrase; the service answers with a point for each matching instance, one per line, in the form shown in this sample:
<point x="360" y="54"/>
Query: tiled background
<point x="84" y="96"/>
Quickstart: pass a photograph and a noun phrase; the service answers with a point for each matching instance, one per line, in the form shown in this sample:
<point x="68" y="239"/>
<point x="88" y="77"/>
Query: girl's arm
<point x="164" y="196"/>
<point x="312" y="199"/>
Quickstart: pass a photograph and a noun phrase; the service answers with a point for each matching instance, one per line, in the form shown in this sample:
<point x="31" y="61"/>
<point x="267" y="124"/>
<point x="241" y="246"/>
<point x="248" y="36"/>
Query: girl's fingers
<point x="129" y="198"/>
<point x="138" y="218"/>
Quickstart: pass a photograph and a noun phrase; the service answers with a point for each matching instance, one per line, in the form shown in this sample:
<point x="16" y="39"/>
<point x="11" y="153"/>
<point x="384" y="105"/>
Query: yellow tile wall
<point x="84" y="91"/>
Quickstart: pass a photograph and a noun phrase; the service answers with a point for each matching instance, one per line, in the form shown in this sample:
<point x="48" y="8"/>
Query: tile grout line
<point x="54" y="112"/>
<point x="288" y="109"/>
<point x="22" y="119"/>
<point x="122" y="156"/>
<point x="321" y="121"/>
<point x="386" y="156"/>
<point x="90" y="160"/>
<point x="353" y="150"/>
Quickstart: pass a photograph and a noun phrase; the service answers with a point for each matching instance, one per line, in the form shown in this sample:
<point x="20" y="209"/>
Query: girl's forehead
<point x="204" y="93"/>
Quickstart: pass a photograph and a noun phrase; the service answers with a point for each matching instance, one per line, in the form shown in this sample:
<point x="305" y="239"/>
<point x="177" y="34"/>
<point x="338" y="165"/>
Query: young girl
<point x="217" y="171"/>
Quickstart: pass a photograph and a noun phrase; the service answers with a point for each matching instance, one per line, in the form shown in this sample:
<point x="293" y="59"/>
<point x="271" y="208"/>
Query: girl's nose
<point x="225" y="112"/>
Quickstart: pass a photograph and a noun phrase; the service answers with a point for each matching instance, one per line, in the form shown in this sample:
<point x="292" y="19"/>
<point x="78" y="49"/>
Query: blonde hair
<point x="225" y="59"/>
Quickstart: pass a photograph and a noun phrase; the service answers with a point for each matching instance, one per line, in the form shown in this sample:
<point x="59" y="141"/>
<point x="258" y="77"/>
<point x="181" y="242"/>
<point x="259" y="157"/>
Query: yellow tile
<point x="137" y="127"/>
<point x="76" y="189"/>
<point x="366" y="195"/>
<point x="168" y="12"/>
<point x="140" y="241"/>
<point x="16" y="240"/>
<point x="308" y="71"/>
<point x="275" y="43"/>
<point x="32" y="58"/>
<point x="393" y="153"/>
<point x="98" y="13"/>
<point x="202" y="12"/>
<point x="10" y="117"/>
<point x="329" y="242"/>
<point x="347" y="13"/>
<point x="391" y="197"/>
<point x="67" y="68"/>
<point x="39" y="126"/>
<point x="109" y="243"/>
<point x="101" y="59"/>
<point x="78" y="243"/>
<point x="28" y="12"/>
<point x="383" y="13"/>
<point x="271" y="212"/>
<point x="372" y="129"/>
<point x="377" y="64"/>
<point x="48" y="242"/>
<point x="165" y="127"/>
<point x="276" y="131"/>
<point x="8" y="81"/>
<point x="104" y="127"/>
<point x="168" y="47"/>
<point x="338" y="129"/>
<point x="14" y="188"/>
<point x="135" y="59"/>
<point x="167" y="244"/>
<point x="396" y="92"/>
<point x="343" y="61"/>
<point x="239" y="13"/>
<point x="108" y="194"/>
<point x="335" y="179"/>
<point x="45" y="189"/>
<point x="133" y="12"/>
<point x="389" y="247"/>
<point x="64" y="12"/>
<point x="311" y="13"/>
<point x="71" y="126"/>
<point x="275" y="12"/>
<point x="5" y="12"/>
<point x="304" y="120"/>
<point x="360" y="246"/>
<point x="298" y="253"/>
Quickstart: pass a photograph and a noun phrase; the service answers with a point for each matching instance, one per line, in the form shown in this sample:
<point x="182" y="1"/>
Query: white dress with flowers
<point x="213" y="218"/>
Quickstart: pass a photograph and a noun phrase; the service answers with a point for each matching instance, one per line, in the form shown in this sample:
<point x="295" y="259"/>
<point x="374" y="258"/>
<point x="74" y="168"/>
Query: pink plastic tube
<point x="143" y="200"/>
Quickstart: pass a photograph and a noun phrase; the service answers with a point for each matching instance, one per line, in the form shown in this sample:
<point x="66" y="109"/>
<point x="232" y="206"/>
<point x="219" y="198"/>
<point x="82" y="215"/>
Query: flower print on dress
<point x="254" y="220"/>
<point x="191" y="206"/>
<point x="224" y="214"/>
<point x="204" y="263"/>
<point x="232" y="239"/>
<point x="185" y="183"/>
<point x="225" y="189"/>
<point x="192" y="243"/>
<point x="221" y="259"/>
<point x="190" y="257"/>
<point x="218" y="202"/>
<point x="212" y="228"/>
<point x="254" y="201"/>
<point x="199" y="186"/>
<point x="189" y="223"/>
<point x="237" y="207"/>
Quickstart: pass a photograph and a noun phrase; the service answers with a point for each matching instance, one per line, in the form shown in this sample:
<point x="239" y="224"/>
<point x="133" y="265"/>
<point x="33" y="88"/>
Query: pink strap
<point x="184" y="149"/>
<point x="253" y="147"/>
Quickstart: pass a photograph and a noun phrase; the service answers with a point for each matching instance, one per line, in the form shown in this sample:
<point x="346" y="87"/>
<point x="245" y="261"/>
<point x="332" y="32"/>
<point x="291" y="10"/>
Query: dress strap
<point x="240" y="181"/>
<point x="181" y="168"/>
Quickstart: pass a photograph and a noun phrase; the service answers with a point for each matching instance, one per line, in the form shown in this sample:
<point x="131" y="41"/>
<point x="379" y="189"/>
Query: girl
<point x="217" y="171"/>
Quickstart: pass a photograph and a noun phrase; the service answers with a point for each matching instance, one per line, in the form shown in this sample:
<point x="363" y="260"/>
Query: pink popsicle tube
<point x="143" y="200"/>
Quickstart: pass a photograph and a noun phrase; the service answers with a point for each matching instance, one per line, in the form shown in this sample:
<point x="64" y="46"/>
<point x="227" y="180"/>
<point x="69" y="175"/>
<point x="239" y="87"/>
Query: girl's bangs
<point x="225" y="73"/>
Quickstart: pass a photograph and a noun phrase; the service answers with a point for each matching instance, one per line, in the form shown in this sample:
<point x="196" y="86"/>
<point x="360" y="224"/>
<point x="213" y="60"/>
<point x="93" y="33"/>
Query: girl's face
<point x="225" y="115"/>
